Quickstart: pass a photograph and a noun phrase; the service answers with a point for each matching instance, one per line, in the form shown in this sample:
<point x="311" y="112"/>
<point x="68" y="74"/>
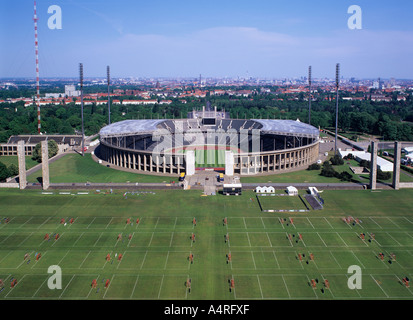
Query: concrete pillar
<point x="190" y="162"/>
<point x="178" y="163"/>
<point x="21" y="154"/>
<point x="157" y="163"/>
<point x="373" y="165"/>
<point x="229" y="163"/>
<point x="45" y="165"/>
<point x="396" y="165"/>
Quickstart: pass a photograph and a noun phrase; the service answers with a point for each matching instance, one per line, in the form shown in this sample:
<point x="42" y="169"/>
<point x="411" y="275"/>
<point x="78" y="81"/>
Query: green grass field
<point x="208" y="156"/>
<point x="264" y="247"/>
<point x="8" y="160"/>
<point x="75" y="168"/>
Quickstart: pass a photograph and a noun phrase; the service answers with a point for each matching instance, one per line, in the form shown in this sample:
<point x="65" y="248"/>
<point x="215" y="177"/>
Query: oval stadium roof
<point x="129" y="127"/>
<point x="290" y="127"/>
<point x="281" y="127"/>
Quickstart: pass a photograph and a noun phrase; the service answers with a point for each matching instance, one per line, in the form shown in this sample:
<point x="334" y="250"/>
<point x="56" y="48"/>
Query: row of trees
<point x="392" y="121"/>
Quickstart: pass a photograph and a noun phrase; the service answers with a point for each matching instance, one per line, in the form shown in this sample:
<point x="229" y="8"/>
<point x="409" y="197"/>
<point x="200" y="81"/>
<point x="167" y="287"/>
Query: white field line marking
<point x="276" y="260"/>
<point x="44" y="223"/>
<point x="166" y="261"/>
<point x="322" y="239"/>
<point x="143" y="261"/>
<point x="379" y="286"/>
<point x="160" y="287"/>
<point x="259" y="284"/>
<point x="269" y="240"/>
<point x="24" y="223"/>
<point x="248" y="237"/>
<point x="134" y="287"/>
<point x="66" y="286"/>
<point x="91" y="223"/>
<point x="109" y="223"/>
<point x="286" y="287"/>
<point x="253" y="260"/>
<point x="97" y="240"/>
<point x="394" y="239"/>
<point x="310" y="222"/>
<point x="80" y="266"/>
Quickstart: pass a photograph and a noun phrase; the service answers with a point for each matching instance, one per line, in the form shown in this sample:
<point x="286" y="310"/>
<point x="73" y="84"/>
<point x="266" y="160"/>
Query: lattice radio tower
<point x="36" y="48"/>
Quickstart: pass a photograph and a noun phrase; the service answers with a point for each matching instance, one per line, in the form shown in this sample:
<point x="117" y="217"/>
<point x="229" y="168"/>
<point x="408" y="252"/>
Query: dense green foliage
<point x="391" y="120"/>
<point x="53" y="149"/>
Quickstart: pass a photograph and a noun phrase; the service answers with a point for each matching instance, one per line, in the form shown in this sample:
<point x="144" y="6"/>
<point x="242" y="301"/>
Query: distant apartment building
<point x="70" y="91"/>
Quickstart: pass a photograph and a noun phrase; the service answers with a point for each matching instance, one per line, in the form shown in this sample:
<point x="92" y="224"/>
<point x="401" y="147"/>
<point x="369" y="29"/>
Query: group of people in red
<point x="63" y="221"/>
<point x="314" y="282"/>
<point x="351" y="220"/>
<point x="129" y="221"/>
<point x="94" y="284"/>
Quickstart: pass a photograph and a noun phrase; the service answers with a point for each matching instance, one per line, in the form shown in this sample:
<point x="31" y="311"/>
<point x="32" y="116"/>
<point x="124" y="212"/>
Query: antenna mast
<point x="36" y="47"/>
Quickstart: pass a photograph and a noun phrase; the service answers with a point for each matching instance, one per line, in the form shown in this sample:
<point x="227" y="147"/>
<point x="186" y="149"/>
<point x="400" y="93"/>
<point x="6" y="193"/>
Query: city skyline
<point x="160" y="39"/>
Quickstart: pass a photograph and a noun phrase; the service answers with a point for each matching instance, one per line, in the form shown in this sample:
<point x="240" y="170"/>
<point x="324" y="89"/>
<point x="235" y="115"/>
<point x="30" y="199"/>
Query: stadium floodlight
<point x="309" y="96"/>
<point x="81" y="106"/>
<point x="337" y="87"/>
<point x="108" y="75"/>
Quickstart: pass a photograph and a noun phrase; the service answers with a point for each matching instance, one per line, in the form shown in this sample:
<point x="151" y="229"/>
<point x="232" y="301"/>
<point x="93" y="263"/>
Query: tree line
<point x="392" y="121"/>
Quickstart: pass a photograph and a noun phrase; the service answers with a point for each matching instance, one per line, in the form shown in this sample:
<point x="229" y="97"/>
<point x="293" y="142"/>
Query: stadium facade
<point x="209" y="140"/>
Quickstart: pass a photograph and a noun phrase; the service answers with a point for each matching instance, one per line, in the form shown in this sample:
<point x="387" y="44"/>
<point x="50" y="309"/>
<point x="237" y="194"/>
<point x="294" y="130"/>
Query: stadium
<point x="209" y="140"/>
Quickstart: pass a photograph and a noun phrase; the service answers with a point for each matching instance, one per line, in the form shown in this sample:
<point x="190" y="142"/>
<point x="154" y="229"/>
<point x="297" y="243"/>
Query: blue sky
<point x="158" y="38"/>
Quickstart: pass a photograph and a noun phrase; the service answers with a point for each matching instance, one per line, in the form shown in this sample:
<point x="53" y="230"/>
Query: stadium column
<point x="139" y="162"/>
<point x="45" y="165"/>
<point x="178" y="164"/>
<point x="229" y="163"/>
<point x="396" y="165"/>
<point x="21" y="154"/>
<point x="373" y="165"/>
<point x="157" y="163"/>
<point x="190" y="162"/>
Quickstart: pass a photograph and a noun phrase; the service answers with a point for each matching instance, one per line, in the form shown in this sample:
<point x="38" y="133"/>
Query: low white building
<point x="292" y="191"/>
<point x="383" y="164"/>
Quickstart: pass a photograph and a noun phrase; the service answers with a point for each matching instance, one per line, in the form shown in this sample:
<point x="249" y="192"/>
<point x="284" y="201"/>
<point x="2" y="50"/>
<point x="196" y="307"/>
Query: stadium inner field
<point x="208" y="156"/>
<point x="281" y="255"/>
